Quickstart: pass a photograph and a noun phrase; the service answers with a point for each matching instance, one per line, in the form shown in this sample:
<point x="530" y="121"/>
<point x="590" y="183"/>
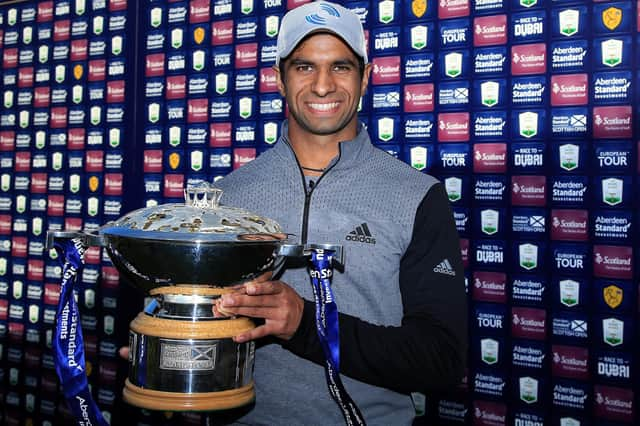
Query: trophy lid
<point x="200" y="218"/>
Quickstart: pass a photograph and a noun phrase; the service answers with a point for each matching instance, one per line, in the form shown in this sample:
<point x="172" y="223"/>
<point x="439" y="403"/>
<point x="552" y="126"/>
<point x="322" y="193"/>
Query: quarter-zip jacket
<point x="400" y="295"/>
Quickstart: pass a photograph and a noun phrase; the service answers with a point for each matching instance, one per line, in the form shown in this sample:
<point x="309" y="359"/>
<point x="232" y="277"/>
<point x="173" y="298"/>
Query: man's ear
<point x="279" y="82"/>
<point x="365" y="79"/>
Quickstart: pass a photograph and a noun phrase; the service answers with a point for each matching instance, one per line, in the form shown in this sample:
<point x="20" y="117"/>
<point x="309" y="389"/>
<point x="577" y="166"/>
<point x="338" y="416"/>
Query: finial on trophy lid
<point x="202" y="195"/>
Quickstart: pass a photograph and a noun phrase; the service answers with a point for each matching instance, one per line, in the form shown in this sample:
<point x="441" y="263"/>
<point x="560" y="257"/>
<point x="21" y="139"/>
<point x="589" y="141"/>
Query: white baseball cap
<point x="320" y="16"/>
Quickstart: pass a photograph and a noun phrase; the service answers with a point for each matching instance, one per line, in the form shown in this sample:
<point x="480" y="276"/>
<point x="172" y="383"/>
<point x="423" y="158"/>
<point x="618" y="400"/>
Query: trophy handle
<point x="298" y="250"/>
<point x="337" y="249"/>
<point x="89" y="239"/>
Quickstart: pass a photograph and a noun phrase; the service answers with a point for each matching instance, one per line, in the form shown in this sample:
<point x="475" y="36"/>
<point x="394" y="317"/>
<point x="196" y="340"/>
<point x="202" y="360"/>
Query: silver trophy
<point x="185" y="256"/>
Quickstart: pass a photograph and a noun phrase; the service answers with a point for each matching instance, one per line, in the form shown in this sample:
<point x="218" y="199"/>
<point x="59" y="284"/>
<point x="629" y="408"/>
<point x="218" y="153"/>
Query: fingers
<point x="257" y="294"/>
<point x="124" y="352"/>
<point x="255" y="288"/>
<point x="274" y="301"/>
<point x="252" y="294"/>
<point x="253" y="334"/>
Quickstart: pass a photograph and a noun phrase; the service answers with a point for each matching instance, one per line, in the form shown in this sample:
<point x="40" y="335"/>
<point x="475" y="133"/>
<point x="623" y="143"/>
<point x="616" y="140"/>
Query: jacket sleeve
<point x="427" y="352"/>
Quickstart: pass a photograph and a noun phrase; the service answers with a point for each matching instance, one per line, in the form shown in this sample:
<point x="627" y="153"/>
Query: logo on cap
<point x="320" y="18"/>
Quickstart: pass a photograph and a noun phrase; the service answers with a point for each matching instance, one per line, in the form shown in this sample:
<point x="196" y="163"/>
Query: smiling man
<point x="401" y="297"/>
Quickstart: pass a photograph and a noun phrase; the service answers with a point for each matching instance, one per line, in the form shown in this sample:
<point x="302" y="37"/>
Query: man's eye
<point x="342" y="68"/>
<point x="304" y="68"/>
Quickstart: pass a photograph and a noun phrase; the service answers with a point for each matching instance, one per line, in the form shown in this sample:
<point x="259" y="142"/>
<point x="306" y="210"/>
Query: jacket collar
<point x="352" y="151"/>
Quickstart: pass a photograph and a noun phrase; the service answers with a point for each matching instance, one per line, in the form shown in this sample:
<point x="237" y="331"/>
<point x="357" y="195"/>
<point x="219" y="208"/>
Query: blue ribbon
<point x="321" y="271"/>
<point x="68" y="344"/>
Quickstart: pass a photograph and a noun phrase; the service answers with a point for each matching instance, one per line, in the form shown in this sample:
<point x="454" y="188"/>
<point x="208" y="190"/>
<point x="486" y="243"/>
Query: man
<point x="401" y="296"/>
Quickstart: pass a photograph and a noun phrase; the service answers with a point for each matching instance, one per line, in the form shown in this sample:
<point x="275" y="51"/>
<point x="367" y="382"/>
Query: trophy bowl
<point x="185" y="256"/>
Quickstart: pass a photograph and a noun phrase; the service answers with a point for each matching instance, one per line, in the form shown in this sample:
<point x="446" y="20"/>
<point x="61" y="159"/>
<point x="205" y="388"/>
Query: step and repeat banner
<point x="63" y="133"/>
<point x="527" y="110"/>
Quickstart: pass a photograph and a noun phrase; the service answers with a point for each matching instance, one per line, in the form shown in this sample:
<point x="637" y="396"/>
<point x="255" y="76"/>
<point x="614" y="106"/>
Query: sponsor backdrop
<point x="527" y="110"/>
<point x="66" y="95"/>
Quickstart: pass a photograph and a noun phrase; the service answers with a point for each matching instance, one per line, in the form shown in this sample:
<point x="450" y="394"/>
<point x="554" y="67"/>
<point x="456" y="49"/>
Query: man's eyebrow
<point x="299" y="61"/>
<point x="345" y="62"/>
<point x="302" y="61"/>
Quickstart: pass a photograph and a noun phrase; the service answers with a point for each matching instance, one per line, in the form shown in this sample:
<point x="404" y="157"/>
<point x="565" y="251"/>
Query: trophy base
<point x="173" y="401"/>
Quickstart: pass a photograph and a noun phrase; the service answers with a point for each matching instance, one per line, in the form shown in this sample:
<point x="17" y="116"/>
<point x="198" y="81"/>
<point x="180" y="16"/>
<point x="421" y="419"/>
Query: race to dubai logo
<point x="611" y="52"/>
<point x="613" y="296"/>
<point x="612" y="17"/>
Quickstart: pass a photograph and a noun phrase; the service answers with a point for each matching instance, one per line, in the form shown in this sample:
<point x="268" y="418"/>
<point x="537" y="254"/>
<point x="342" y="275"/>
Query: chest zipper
<point x="308" y="193"/>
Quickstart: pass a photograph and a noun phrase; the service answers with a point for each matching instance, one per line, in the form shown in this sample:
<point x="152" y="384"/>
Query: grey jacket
<point x="367" y="201"/>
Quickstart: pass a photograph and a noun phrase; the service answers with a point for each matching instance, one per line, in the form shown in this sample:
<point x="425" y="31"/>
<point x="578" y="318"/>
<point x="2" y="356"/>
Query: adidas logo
<point x="445" y="268"/>
<point x="361" y="234"/>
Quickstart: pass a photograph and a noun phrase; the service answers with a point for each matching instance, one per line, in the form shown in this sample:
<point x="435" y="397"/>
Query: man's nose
<point x="323" y="83"/>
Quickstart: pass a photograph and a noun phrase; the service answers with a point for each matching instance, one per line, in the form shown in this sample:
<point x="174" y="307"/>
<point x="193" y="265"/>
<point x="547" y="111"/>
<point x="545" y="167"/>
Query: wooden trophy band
<point x="171" y="401"/>
<point x="175" y="329"/>
<point x="187" y="289"/>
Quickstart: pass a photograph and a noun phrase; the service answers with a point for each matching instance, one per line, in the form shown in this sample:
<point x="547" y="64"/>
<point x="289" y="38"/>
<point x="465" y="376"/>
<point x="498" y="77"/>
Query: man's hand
<point x="124" y="352"/>
<point x="274" y="301"/>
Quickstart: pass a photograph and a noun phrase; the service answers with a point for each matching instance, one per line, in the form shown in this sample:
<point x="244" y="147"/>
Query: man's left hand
<point x="274" y="301"/>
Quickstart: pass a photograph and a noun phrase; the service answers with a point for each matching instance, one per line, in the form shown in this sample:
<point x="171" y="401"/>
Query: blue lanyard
<point x="329" y="333"/>
<point x="68" y="344"/>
